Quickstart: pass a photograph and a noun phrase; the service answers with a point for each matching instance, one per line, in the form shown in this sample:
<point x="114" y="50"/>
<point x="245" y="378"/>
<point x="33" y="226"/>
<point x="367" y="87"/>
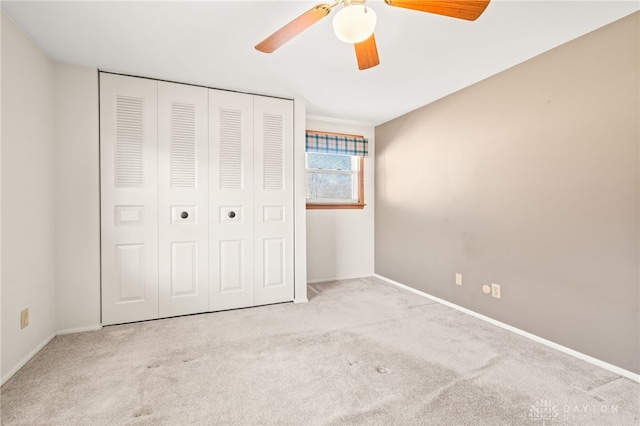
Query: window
<point x="335" y="171"/>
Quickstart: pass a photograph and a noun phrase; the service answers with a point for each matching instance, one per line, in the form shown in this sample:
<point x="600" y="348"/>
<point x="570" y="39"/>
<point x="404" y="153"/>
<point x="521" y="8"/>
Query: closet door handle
<point x="184" y="215"/>
<point x="231" y="214"/>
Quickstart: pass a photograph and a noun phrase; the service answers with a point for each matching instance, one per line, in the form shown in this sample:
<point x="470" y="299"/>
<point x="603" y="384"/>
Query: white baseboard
<point x="79" y="329"/>
<point x="321" y="280"/>
<point x="44" y="343"/>
<point x="614" y="369"/>
<point x="26" y="359"/>
<point x="326" y="280"/>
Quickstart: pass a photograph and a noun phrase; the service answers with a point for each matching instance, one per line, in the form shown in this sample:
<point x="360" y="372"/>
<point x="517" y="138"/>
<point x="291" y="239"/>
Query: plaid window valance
<point x="336" y="143"/>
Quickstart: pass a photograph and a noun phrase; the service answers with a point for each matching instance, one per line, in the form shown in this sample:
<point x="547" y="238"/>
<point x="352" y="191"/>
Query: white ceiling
<point x="423" y="57"/>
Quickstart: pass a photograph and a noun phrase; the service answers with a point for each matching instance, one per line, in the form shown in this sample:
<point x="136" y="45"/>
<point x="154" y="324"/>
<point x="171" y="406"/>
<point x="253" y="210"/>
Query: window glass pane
<point x="330" y="186"/>
<point x="328" y="161"/>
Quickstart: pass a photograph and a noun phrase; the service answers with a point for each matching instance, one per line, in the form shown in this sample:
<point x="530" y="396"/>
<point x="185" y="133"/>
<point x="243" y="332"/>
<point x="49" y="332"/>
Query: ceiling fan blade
<point x="293" y="28"/>
<point x="463" y="9"/>
<point x="367" y="53"/>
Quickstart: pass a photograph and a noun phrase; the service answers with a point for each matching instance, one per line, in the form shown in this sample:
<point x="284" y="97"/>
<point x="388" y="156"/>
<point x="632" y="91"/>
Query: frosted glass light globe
<point x="354" y="23"/>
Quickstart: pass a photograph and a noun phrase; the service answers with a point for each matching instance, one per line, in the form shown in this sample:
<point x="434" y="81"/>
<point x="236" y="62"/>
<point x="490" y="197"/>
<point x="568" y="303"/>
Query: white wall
<point x="27" y="198"/>
<point x="1" y="109"/>
<point x="340" y="242"/>
<point x="77" y="198"/>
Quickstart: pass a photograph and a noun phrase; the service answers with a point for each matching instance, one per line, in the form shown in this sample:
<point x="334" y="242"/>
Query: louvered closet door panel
<point x="183" y="200"/>
<point x="231" y="199"/>
<point x="128" y="160"/>
<point x="273" y="200"/>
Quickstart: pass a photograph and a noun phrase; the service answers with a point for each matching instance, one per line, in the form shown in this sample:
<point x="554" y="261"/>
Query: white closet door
<point x="231" y="199"/>
<point x="273" y="200"/>
<point x="183" y="199"/>
<point x="128" y="153"/>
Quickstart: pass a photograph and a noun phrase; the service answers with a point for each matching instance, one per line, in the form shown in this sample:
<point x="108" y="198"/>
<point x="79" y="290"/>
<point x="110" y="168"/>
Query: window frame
<point x="342" y="205"/>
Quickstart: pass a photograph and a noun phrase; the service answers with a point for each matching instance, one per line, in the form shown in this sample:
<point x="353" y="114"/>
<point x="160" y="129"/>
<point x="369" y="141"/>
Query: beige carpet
<point x="360" y="352"/>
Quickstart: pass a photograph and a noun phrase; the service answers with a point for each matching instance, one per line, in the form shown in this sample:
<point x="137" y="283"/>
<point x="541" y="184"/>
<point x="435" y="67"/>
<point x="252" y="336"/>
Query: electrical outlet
<point x="495" y="290"/>
<point x="24" y="318"/>
<point x="458" y="279"/>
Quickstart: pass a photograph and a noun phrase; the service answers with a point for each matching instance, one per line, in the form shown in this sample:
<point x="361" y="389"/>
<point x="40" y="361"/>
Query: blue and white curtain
<point x="332" y="143"/>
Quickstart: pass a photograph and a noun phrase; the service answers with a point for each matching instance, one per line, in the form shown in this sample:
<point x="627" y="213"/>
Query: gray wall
<point x="529" y="179"/>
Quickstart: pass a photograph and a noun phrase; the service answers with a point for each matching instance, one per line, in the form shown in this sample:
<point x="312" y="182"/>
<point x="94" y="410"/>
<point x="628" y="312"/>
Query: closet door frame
<point x="300" y="201"/>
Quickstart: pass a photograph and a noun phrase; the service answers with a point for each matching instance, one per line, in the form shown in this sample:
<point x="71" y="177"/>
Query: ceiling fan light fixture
<point x="354" y="23"/>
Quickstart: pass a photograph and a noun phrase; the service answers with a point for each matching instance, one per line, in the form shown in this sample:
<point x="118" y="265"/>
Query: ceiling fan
<point x="355" y="22"/>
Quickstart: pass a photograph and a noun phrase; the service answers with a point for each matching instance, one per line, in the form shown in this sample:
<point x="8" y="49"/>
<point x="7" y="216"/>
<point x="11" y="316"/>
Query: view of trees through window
<point x="331" y="177"/>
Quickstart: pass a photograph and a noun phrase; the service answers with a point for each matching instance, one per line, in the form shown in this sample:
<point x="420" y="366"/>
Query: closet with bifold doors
<point x="196" y="199"/>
